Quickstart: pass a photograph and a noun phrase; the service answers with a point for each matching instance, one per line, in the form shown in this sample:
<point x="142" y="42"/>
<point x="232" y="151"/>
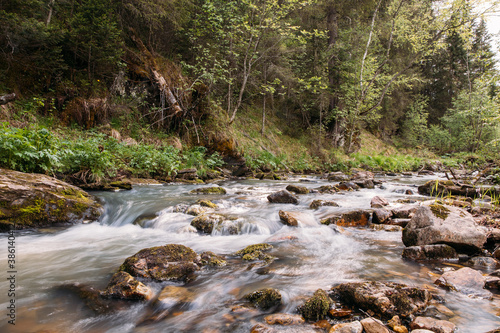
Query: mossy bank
<point x="30" y="200"/>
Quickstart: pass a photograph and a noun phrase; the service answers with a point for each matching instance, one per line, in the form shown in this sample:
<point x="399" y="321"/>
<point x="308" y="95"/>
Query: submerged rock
<point x="91" y="297"/>
<point x="124" y="286"/>
<point x="357" y="218"/>
<point x="163" y="263"/>
<point x="316" y="307"/>
<point x="439" y="251"/>
<point x="466" y="281"/>
<point x="384" y="298"/>
<point x="282" y="196"/>
<point x="31" y="200"/>
<point x="211" y="259"/>
<point x="264" y="299"/>
<point x="438" y="224"/>
<point x="297" y="189"/>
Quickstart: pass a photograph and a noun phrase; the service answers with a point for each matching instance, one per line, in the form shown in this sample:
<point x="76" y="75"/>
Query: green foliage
<point x="395" y="163"/>
<point x="264" y="160"/>
<point x="30" y="149"/>
<point x="414" y="129"/>
<point x="196" y="158"/>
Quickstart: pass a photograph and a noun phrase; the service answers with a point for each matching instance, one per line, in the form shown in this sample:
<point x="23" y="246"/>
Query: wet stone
<point x="209" y="190"/>
<point x="353" y="327"/>
<point x="484" y="262"/>
<point x="429" y="252"/>
<point x="284" y="319"/>
<point x="434" y="325"/>
<point x="124" y="286"/>
<point x="371" y="325"/>
<point x="465" y="281"/>
<point x="264" y="299"/>
<point x="378" y="202"/>
<point x="282" y="196"/>
<point x="297" y="189"/>
<point x="319" y="203"/>
<point x="316" y="307"/>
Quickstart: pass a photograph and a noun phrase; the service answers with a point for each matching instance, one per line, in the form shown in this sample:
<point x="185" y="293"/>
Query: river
<point x="310" y="257"/>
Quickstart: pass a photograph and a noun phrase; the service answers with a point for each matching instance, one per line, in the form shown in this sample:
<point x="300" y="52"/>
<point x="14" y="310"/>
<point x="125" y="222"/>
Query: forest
<point x="284" y="83"/>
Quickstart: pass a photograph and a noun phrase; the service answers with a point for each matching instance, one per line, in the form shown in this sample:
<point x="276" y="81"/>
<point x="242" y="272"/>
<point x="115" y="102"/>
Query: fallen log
<point x="7" y="98"/>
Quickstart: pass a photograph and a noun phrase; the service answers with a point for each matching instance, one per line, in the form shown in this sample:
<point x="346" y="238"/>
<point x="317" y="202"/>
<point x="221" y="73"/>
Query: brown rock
<point x="124" y="286"/>
<point x="319" y="203"/>
<point x="372" y="325"/>
<point x="466" y="281"/>
<point x="353" y="327"/>
<point x="381" y="216"/>
<point x="174" y="295"/>
<point x="282" y="196"/>
<point x="284" y="319"/>
<point x="297" y="189"/>
<point x="434" y="325"/>
<point x="351" y="219"/>
<point x="484" y="262"/>
<point x="296" y="219"/>
<point x="386" y="299"/>
<point x="492" y="282"/>
<point x="264" y="298"/>
<point x="425" y="252"/>
<point x="378" y="202"/>
<point x="339" y="313"/>
<point x="404" y="212"/>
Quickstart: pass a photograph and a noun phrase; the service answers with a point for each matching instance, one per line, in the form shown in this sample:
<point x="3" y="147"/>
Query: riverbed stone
<point x="466" y="281"/>
<point x="352" y="327"/>
<point x="163" y="263"/>
<point x="297" y="189"/>
<point x="256" y="252"/>
<point x="295" y="219"/>
<point x="316" y="307"/>
<point x="209" y="258"/>
<point x="439" y="224"/>
<point x="205" y="223"/>
<point x="384" y="298"/>
<point x="284" y="319"/>
<point x="404" y="212"/>
<point x="358" y="218"/>
<point x="337" y="177"/>
<point x="381" y="216"/>
<point x="29" y="200"/>
<point x="327" y="189"/>
<point x="431" y="324"/>
<point x="425" y="252"/>
<point x="209" y="190"/>
<point x="319" y="203"/>
<point x="347" y="186"/>
<point x="196" y="210"/>
<point x="173" y="295"/>
<point x="492" y="282"/>
<point x="124" y="286"/>
<point x="378" y="202"/>
<point x="206" y="203"/>
<point x="264" y="299"/>
<point x="282" y="196"/>
<point x="372" y="325"/>
<point x="483" y="262"/>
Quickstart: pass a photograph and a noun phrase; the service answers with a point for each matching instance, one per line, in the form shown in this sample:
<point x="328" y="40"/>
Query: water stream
<point x="309" y="257"/>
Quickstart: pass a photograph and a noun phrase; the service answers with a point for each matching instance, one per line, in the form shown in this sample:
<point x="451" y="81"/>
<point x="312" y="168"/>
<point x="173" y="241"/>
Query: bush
<point x="30" y="149"/>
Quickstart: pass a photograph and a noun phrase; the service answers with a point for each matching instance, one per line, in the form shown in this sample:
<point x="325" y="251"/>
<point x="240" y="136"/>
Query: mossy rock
<point x="206" y="223"/>
<point x="256" y="252"/>
<point x="209" y="190"/>
<point x="211" y="259"/>
<point x="206" y="203"/>
<point x="316" y="307"/>
<point x="163" y="263"/>
<point x="124" y="286"/>
<point x="32" y="201"/>
<point x="264" y="299"/>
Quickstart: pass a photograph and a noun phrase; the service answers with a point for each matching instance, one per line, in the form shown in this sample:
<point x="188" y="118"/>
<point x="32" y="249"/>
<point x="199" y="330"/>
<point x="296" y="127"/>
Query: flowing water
<point x="311" y="256"/>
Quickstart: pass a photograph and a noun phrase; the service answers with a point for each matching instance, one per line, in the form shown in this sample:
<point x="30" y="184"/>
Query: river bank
<point x="309" y="257"/>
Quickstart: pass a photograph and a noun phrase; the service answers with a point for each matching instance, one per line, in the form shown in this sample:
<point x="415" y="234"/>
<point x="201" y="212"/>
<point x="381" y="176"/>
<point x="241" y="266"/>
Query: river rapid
<point x="309" y="257"/>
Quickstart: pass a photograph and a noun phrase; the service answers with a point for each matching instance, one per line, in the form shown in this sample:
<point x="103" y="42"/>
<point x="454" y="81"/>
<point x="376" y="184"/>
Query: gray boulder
<point x="439" y="224"/>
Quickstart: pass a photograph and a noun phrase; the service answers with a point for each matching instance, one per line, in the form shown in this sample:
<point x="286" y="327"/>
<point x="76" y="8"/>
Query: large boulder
<point x="282" y="196"/>
<point x="29" y="200"/>
<point x="384" y="298"/>
<point x="439" y="224"/>
<point x="465" y="281"/>
<point x="163" y="263"/>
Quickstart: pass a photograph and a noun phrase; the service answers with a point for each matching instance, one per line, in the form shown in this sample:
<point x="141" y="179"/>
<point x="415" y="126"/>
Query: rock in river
<point x="162" y="263"/>
<point x="387" y="299"/>
<point x="264" y="299"/>
<point x="316" y="307"/>
<point x="30" y="200"/>
<point x="297" y="189"/>
<point x="439" y="224"/>
<point x="466" y="281"/>
<point x="124" y="286"/>
<point x="438" y="251"/>
<point x="282" y="196"/>
<point x="433" y="325"/>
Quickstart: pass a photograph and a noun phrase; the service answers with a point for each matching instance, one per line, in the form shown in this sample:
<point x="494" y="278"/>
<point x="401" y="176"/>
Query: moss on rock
<point x="34" y="200"/>
<point x="264" y="299"/>
<point x="209" y="190"/>
<point x="440" y="211"/>
<point x="316" y="307"/>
